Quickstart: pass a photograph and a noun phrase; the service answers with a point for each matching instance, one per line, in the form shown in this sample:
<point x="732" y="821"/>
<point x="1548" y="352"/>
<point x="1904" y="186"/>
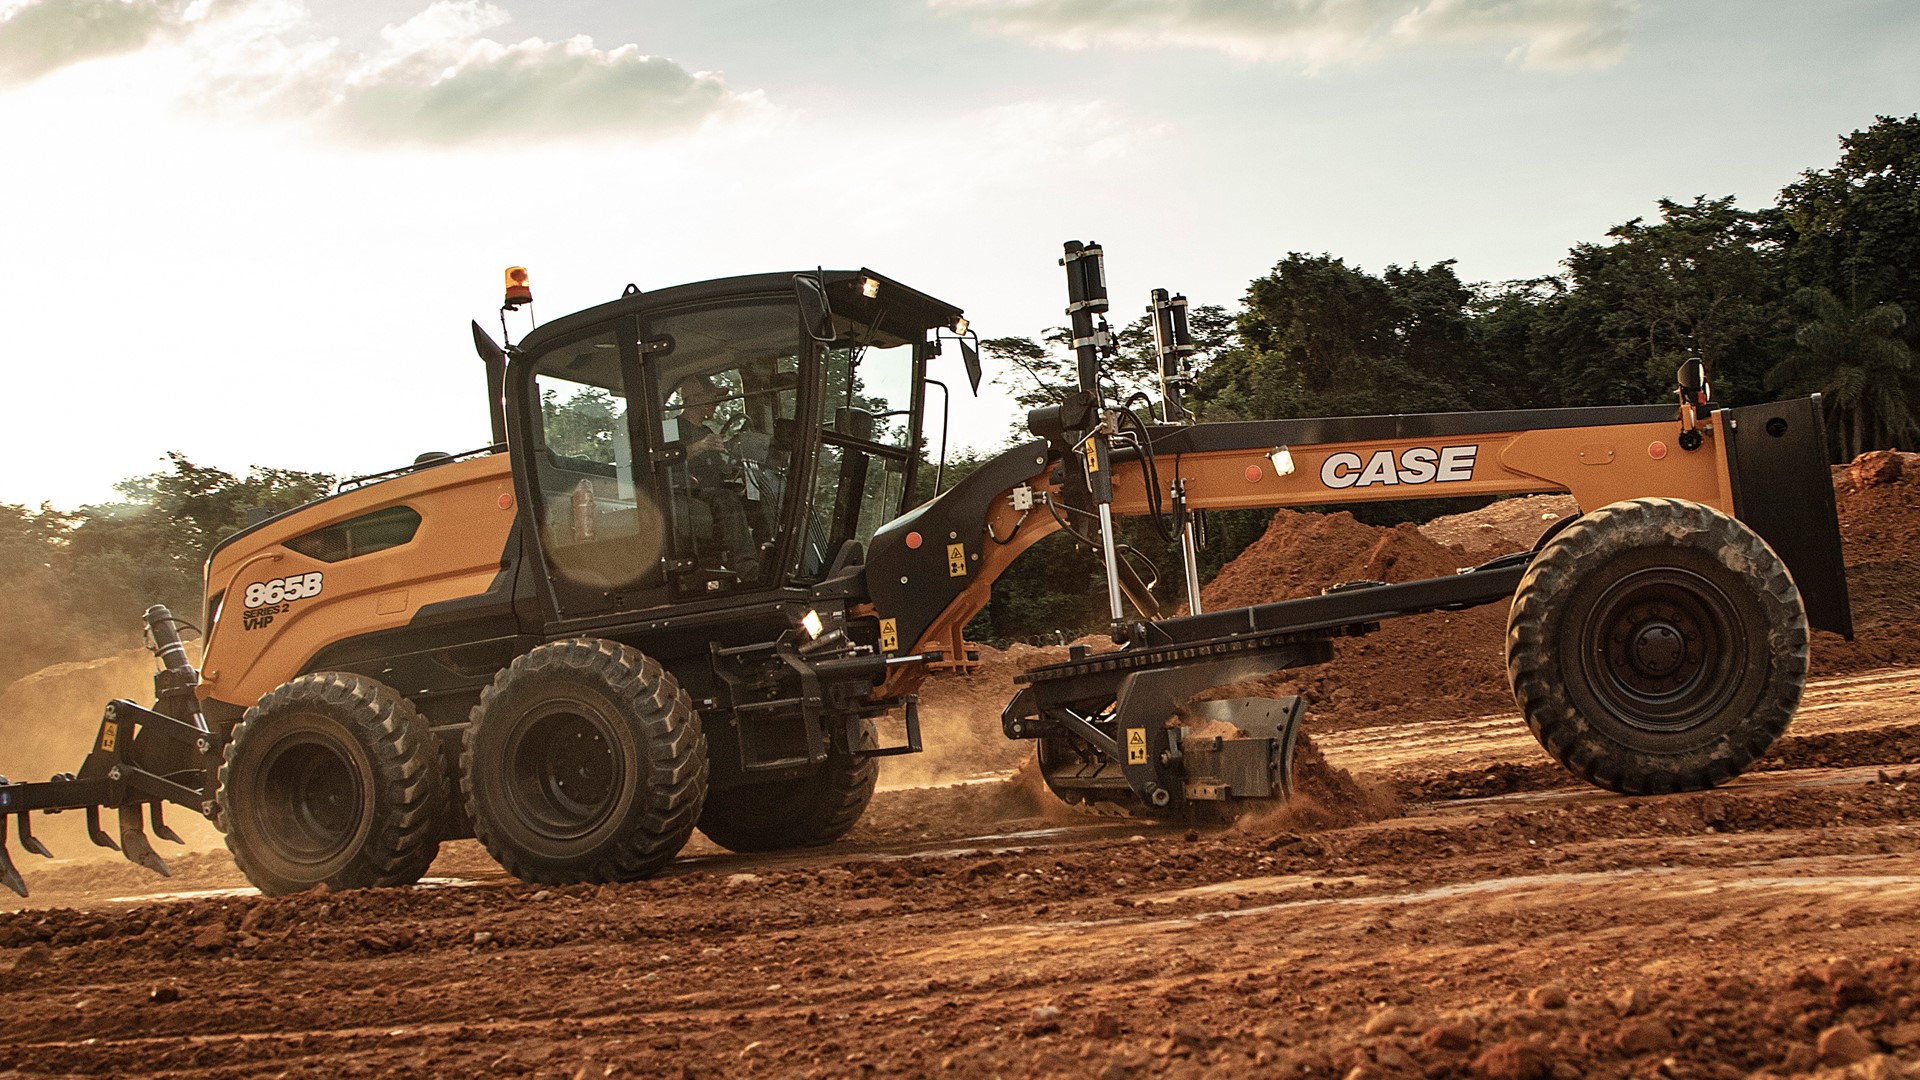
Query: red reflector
<point x="506" y="502"/>
<point x="913" y="540"/>
<point x="1656" y="450"/>
<point x="1253" y="474"/>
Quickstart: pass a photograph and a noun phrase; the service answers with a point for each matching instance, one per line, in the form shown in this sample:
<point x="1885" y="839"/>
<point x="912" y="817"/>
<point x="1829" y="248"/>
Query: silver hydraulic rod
<point x="1189" y="550"/>
<point x="1112" y="561"/>
<point x="1190" y="557"/>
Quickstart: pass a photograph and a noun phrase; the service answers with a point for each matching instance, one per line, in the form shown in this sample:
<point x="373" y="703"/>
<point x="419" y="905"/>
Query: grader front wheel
<point x="332" y="779"/>
<point x="1657" y="645"/>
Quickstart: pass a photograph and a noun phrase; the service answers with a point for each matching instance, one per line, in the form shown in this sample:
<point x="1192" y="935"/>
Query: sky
<point x="254" y="231"/>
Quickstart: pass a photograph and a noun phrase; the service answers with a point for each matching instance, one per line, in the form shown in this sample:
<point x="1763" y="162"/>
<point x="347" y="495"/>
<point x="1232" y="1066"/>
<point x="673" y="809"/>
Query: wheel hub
<point x="566" y="774"/>
<point x="311" y="807"/>
<point x="1657" y="647"/>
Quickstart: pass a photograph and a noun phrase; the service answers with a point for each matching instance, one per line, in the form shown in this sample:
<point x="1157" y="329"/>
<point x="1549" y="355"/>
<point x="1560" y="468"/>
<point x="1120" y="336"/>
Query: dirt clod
<point x="1646" y="1035"/>
<point x="1628" y="1001"/>
<point x="1456" y="1037"/>
<point x="1842" y="1045"/>
<point x="1550" y="996"/>
<point x="1392" y="1018"/>
<point x="1514" y="1059"/>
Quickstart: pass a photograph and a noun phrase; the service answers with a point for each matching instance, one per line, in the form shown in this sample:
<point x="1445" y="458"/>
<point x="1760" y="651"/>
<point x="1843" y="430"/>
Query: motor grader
<point x="683" y="581"/>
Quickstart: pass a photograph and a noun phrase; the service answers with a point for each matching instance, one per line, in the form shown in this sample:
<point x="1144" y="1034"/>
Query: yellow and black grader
<point x="685" y="579"/>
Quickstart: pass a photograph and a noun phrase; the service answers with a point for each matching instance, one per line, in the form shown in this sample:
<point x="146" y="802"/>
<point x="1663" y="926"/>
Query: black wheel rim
<point x="565" y="772"/>
<point x="1662" y="648"/>
<point x="312" y="803"/>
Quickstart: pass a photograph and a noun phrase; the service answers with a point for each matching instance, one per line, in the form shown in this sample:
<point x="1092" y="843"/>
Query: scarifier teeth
<point x="160" y="828"/>
<point x="9" y="876"/>
<point x="31" y="842"/>
<point x="133" y="840"/>
<point x="95" y="833"/>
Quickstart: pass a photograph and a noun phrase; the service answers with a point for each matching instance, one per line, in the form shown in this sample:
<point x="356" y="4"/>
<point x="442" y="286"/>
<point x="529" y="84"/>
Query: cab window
<point x="728" y="390"/>
<point x="599" y="529"/>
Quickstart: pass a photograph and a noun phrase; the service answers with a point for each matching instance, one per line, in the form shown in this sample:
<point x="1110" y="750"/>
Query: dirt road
<point x="1505" y="923"/>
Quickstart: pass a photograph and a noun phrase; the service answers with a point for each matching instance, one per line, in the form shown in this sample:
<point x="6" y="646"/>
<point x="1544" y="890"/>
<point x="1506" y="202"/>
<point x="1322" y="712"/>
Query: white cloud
<point x="1553" y="35"/>
<point x="435" y="78"/>
<point x="455" y="88"/>
<point x="42" y="36"/>
<point x="1315" y="34"/>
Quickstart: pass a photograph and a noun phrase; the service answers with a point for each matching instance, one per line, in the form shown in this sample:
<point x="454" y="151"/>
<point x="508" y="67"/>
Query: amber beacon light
<point x="518" y="291"/>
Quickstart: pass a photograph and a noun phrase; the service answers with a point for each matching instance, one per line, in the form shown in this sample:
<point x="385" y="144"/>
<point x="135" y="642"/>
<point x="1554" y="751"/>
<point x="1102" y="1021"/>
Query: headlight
<point x="810" y="622"/>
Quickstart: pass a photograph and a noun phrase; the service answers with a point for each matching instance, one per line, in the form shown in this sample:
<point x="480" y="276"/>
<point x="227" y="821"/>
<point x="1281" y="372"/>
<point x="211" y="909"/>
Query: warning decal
<point x="1136" y="746"/>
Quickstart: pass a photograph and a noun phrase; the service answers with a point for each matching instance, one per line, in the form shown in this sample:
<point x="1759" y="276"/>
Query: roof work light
<point x="518" y="292"/>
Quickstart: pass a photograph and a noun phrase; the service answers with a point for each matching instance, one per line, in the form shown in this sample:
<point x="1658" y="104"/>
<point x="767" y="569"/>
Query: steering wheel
<point x="733" y="425"/>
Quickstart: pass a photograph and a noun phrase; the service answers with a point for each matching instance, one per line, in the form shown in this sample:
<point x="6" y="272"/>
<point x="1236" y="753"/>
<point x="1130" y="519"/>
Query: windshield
<point x="868" y="447"/>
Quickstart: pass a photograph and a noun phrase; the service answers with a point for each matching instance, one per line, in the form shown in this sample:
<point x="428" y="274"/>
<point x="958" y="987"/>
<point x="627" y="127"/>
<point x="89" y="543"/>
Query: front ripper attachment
<point x="140" y="759"/>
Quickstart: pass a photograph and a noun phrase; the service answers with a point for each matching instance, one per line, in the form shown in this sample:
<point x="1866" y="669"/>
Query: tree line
<point x="73" y="584"/>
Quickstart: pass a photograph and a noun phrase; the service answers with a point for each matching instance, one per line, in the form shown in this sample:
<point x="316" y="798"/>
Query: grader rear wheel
<point x="1657" y="645"/>
<point x="805" y="812"/>
<point x="584" y="762"/>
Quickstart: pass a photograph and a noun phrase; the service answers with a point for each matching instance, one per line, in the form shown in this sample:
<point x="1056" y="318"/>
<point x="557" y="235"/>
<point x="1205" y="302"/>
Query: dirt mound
<point x="1878" y="496"/>
<point x="1301" y="553"/>
<point x="1325" y="796"/>
<point x="1445" y="663"/>
<point x="1508" y="525"/>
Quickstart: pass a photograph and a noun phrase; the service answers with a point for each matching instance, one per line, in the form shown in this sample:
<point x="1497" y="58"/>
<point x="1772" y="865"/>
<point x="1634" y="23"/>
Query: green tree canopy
<point x="1858" y="362"/>
<point x="1854" y="229"/>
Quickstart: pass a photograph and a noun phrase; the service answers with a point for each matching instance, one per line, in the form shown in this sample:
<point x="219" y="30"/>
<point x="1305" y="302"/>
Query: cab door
<point x="724" y="395"/>
<point x="596" y="520"/>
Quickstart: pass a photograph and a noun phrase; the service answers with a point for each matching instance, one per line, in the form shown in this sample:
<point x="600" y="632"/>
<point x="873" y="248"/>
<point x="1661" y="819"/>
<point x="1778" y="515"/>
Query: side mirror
<point x="1692" y="375"/>
<point x="815" y="313"/>
<point x="970" y="357"/>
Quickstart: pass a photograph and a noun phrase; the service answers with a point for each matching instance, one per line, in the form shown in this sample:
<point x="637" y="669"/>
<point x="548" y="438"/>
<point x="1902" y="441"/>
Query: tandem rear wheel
<point x="584" y="762"/>
<point x="332" y="779"/>
<point x="806" y="811"/>
<point x="1657" y="645"/>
